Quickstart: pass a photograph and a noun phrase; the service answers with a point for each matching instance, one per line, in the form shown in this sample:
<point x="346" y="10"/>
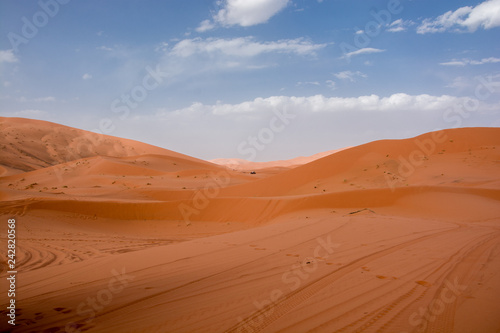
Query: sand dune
<point x="390" y="236"/>
<point x="455" y="158"/>
<point x="33" y="144"/>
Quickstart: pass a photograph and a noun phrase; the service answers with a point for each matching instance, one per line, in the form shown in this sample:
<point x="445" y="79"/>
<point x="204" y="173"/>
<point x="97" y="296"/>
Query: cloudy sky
<point x="254" y="79"/>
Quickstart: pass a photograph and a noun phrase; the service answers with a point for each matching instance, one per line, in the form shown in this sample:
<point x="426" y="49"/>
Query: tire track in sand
<point x="274" y="311"/>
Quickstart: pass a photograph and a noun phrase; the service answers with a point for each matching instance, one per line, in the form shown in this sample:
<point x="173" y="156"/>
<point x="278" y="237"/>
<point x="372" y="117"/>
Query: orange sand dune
<point x="445" y="157"/>
<point x="391" y="236"/>
<point x="33" y="144"/>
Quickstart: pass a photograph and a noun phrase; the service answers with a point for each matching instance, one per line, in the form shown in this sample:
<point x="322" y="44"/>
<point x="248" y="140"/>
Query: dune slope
<point x="33" y="144"/>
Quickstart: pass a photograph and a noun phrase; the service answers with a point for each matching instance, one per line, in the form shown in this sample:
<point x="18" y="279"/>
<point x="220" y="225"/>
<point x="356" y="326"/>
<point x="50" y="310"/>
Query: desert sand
<point x="115" y="235"/>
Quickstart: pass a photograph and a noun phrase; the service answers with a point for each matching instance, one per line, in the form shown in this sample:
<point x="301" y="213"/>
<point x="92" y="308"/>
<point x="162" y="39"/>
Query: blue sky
<point x="254" y="79"/>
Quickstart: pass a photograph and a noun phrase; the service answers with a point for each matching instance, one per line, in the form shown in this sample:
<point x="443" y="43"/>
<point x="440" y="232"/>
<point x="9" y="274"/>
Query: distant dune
<point x="241" y="164"/>
<point x="389" y="236"/>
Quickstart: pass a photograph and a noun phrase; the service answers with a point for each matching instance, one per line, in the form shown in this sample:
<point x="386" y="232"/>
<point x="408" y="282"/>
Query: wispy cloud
<point x="331" y="84"/>
<point x="486" y="15"/>
<point x="243" y="47"/>
<point x="460" y="83"/>
<point x="470" y="84"/>
<point x="314" y="83"/>
<point x="86" y="76"/>
<point x="105" y="48"/>
<point x="29" y="113"/>
<point x="465" y="62"/>
<point x="399" y="25"/>
<point x="8" y="56"/>
<point x="349" y="75"/>
<point x="205" y="26"/>
<point x="45" y="99"/>
<point x="366" y="50"/>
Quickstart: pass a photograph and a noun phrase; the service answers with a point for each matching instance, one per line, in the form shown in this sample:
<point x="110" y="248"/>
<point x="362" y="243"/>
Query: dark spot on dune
<point x="52" y="330"/>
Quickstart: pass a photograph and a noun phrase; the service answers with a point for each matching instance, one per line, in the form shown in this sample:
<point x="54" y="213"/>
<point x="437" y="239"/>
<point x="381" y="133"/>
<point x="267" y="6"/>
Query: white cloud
<point x="190" y="57"/>
<point x="400" y="102"/>
<point x="243" y="13"/>
<point x="205" y="26"/>
<point x="399" y="25"/>
<point x="243" y="47"/>
<point x="349" y="75"/>
<point x="365" y="50"/>
<point x="453" y="63"/>
<point x="247" y="13"/>
<point x="483" y="61"/>
<point x="86" y="76"/>
<point x="485" y="15"/>
<point x="8" y="56"/>
<point x="314" y="83"/>
<point x="45" y="99"/>
<point x="465" y="62"/>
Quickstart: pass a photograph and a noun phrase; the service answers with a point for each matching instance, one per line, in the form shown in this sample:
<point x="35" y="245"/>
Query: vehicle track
<point x="274" y="311"/>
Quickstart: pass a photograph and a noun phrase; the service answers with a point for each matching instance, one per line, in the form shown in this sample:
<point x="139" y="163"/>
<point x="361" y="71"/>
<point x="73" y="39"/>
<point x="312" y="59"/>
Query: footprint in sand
<point x="63" y="310"/>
